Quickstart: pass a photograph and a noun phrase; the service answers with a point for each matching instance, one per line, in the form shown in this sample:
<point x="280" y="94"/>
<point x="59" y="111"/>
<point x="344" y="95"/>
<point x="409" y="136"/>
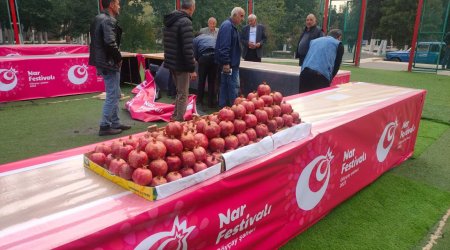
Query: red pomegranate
<point x="173" y="146"/>
<point x="125" y="171"/>
<point x="124" y="151"/>
<point x="161" y="137"/>
<point x="296" y="117"/>
<point x="131" y="141"/>
<point x="108" y="160"/>
<point x="250" y="120"/>
<point x="286" y="108"/>
<point x="258" y="102"/>
<point x="231" y="142"/>
<point x="103" y="148"/>
<point x="137" y="158"/>
<point x="251" y="133"/>
<point x="143" y="141"/>
<point x="186" y="171"/>
<point x="158" y="167"/>
<point x="173" y="163"/>
<point x="201" y="140"/>
<point x="199" y="166"/>
<point x="188" y="140"/>
<point x="211" y="160"/>
<point x="155" y="150"/>
<point x="173" y="176"/>
<point x="212" y="130"/>
<point x="239" y="126"/>
<point x="261" y="116"/>
<point x="115" y="147"/>
<point x="115" y="165"/>
<point x="280" y="122"/>
<point x="243" y="139"/>
<point x="214" y="118"/>
<point x="238" y="110"/>
<point x="217" y="144"/>
<point x="226" y="114"/>
<point x="98" y="158"/>
<point x="269" y="112"/>
<point x="288" y="120"/>
<point x="199" y="153"/>
<point x="188" y="158"/>
<point x="158" y="180"/>
<point x="272" y="125"/>
<point x="249" y="106"/>
<point x="261" y="130"/>
<point x="277" y="98"/>
<point x="252" y="95"/>
<point x="238" y="100"/>
<point x="174" y="129"/>
<point x="263" y="89"/>
<point x="142" y="176"/>
<point x="226" y="128"/>
<point x="200" y="125"/>
<point x="276" y="110"/>
<point x="268" y="100"/>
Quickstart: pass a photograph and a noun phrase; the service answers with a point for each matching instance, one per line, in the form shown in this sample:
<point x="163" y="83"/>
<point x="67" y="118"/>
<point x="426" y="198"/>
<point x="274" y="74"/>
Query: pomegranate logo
<point x="8" y="79"/>
<point x="308" y="199"/>
<point x="175" y="239"/>
<point x="387" y="136"/>
<point x="78" y="74"/>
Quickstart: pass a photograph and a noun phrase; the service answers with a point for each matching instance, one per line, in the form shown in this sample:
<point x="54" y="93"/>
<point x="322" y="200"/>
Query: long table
<point x="42" y="49"/>
<point x="359" y="131"/>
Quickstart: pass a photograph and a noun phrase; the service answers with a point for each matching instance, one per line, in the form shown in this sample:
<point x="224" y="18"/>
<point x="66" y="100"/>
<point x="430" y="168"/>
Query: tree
<point x="373" y="16"/>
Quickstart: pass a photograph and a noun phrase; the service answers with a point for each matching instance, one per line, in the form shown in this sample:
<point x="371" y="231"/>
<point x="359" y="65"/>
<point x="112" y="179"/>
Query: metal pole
<point x="12" y="7"/>
<point x="415" y="34"/>
<point x="177" y="4"/>
<point x="250" y="6"/>
<point x="100" y="6"/>
<point x="325" y="17"/>
<point x="362" y="17"/>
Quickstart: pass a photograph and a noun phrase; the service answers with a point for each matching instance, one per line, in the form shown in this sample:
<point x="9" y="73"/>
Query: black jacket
<point x="178" y="36"/>
<point x="315" y="32"/>
<point x="104" y="49"/>
<point x="260" y="38"/>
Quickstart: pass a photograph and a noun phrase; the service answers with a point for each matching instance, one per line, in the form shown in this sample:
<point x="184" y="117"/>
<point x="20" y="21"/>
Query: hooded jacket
<point x="178" y="36"/>
<point x="104" y="49"/>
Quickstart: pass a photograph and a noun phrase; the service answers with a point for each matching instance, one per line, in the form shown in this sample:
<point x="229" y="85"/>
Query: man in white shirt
<point x="253" y="37"/>
<point x="211" y="29"/>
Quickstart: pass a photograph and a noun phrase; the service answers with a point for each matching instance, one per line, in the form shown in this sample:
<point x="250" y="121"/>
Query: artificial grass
<point x="429" y="132"/>
<point x="392" y="213"/>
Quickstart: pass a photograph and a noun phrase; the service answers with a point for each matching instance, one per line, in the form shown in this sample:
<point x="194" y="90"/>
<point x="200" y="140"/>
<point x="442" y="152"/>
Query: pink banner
<point x="42" y="49"/>
<point x="264" y="203"/>
<point x="144" y="108"/>
<point x="23" y="78"/>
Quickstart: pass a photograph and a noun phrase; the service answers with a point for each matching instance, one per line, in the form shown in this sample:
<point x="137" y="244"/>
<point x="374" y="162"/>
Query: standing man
<point x="322" y="62"/>
<point x="211" y="29"/>
<point x="204" y="54"/>
<point x="253" y="36"/>
<point x="104" y="54"/>
<point x="310" y="32"/>
<point x="228" y="57"/>
<point x="179" y="53"/>
<point x="445" y="61"/>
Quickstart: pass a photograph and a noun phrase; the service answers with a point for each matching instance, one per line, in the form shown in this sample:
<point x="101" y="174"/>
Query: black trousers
<point x="207" y="68"/>
<point x="252" y="56"/>
<point x="312" y="80"/>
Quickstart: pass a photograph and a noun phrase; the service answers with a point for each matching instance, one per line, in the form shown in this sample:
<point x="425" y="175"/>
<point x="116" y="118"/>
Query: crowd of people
<point x="215" y="52"/>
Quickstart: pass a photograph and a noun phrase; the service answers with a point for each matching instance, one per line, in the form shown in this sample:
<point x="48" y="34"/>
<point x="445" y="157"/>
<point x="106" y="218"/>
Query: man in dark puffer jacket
<point x="179" y="53"/>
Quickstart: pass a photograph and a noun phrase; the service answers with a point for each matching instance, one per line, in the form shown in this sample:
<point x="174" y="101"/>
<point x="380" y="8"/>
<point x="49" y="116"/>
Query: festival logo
<point x="387" y="138"/>
<point x="308" y="199"/>
<point x="8" y="79"/>
<point x="78" y="74"/>
<point x="175" y="239"/>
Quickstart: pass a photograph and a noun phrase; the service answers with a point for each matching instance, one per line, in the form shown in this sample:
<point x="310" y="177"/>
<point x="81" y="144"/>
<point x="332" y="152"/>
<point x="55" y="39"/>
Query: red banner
<point x="144" y="108"/>
<point x="42" y="49"/>
<point x="24" y="78"/>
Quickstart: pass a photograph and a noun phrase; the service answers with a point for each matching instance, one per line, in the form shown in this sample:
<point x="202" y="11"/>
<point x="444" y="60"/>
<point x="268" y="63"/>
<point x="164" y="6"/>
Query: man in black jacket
<point x="179" y="53"/>
<point x="104" y="54"/>
<point x="253" y="37"/>
<point x="310" y="32"/>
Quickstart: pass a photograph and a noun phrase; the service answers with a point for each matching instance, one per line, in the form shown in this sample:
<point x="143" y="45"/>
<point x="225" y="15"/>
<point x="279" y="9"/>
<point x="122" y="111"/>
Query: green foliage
<point x="397" y="21"/>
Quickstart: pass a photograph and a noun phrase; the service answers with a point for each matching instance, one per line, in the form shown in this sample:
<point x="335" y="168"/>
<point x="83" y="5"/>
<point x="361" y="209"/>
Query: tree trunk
<point x="1" y="35"/>
<point x="45" y="37"/>
<point x="40" y="37"/>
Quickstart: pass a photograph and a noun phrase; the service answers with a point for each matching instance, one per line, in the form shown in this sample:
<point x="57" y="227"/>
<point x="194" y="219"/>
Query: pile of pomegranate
<point x="182" y="149"/>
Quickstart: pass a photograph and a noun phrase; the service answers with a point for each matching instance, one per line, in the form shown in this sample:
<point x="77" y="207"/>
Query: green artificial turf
<point x="429" y="132"/>
<point x="392" y="213"/>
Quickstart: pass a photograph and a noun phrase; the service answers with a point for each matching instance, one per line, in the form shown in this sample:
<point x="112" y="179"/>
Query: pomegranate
<point x="158" y="167"/>
<point x="115" y="165"/>
<point x="158" y="180"/>
<point x="201" y="140"/>
<point x="186" y="171"/>
<point x="212" y="130"/>
<point x="286" y="108"/>
<point x="249" y="106"/>
<point x="143" y="141"/>
<point x="199" y="166"/>
<point x="173" y="146"/>
<point x="261" y="116"/>
<point x="161" y="137"/>
<point x="226" y="128"/>
<point x="142" y="176"/>
<point x="269" y="112"/>
<point x="98" y="158"/>
<point x="115" y="147"/>
<point x="131" y="141"/>
<point x="261" y="130"/>
<point x="250" y="120"/>
<point x="288" y="120"/>
<point x="268" y="100"/>
<point x="296" y="117"/>
<point x="217" y="144"/>
<point x="238" y="100"/>
<point x="137" y="158"/>
<point x="238" y="110"/>
<point x="251" y="95"/>
<point x="124" y="151"/>
<point x="188" y="140"/>
<point x="103" y="148"/>
<point x="188" y="158"/>
<point x="239" y="126"/>
<point x="277" y="98"/>
<point x="280" y="122"/>
<point x="214" y="118"/>
<point x="251" y="133"/>
<point x="218" y="155"/>
<point x="173" y="163"/>
<point x="211" y="160"/>
<point x="199" y="153"/>
<point x="231" y="142"/>
<point x="272" y="125"/>
<point x="200" y="125"/>
<point x="242" y="139"/>
<point x="258" y="102"/>
<point x="155" y="150"/>
<point x="263" y="89"/>
<point x="108" y="160"/>
<point x="173" y="176"/>
<point x="174" y="129"/>
<point x="226" y="114"/>
<point x="125" y="171"/>
<point x="276" y="110"/>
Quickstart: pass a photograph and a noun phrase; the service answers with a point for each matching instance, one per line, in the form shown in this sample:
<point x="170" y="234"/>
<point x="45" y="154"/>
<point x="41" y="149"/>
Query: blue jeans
<point x="111" y="106"/>
<point x="229" y="88"/>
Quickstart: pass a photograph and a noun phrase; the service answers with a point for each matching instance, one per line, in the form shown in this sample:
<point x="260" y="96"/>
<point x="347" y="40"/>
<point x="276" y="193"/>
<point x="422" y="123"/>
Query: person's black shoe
<point x="109" y="131"/>
<point x="122" y="127"/>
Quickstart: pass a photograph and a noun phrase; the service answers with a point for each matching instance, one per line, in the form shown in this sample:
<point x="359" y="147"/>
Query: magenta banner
<point x="264" y="203"/>
<point x="42" y="49"/>
<point x="23" y="78"/>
